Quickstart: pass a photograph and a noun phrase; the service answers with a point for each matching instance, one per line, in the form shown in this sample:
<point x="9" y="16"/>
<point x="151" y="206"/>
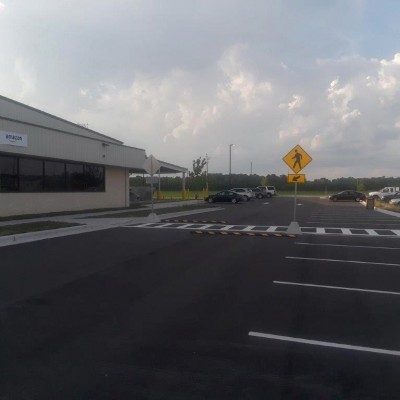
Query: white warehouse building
<point x="48" y="164"/>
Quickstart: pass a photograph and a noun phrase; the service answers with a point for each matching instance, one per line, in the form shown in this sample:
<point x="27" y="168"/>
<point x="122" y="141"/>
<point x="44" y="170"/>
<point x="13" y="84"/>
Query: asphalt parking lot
<point x="157" y="311"/>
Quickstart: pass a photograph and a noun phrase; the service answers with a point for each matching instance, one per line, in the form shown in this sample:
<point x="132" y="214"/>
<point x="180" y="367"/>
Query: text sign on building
<point x="296" y="178"/>
<point x="297" y="159"/>
<point x="14" y="139"/>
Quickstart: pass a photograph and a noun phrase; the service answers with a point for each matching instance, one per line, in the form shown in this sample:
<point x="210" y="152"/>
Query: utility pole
<point x="230" y="164"/>
<point x="207" y="159"/>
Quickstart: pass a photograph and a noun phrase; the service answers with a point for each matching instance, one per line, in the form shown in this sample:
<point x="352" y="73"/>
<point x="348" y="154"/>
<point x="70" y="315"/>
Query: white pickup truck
<point x="386" y="191"/>
<point x="269" y="190"/>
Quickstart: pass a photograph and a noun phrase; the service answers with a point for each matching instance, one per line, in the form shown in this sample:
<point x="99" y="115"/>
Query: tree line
<point x="200" y="179"/>
<point x="224" y="181"/>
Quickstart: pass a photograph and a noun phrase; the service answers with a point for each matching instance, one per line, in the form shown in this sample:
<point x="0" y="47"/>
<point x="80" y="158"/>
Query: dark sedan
<point x="225" y="196"/>
<point x="349" y="195"/>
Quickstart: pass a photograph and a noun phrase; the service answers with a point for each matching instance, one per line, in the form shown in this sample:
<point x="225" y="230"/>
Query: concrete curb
<point x="392" y="213"/>
<point x="89" y="226"/>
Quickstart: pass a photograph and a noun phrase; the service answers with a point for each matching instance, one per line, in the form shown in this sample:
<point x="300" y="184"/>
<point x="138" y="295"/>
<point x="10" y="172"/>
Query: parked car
<point x="389" y="197"/>
<point x="348" y="195"/>
<point x="224" y="196"/>
<point x="260" y="194"/>
<point x="395" y="201"/>
<point x="269" y="189"/>
<point x="253" y="195"/>
<point x="246" y="193"/>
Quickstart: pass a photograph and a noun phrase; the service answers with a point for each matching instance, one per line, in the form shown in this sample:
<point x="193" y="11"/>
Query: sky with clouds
<point x="186" y="78"/>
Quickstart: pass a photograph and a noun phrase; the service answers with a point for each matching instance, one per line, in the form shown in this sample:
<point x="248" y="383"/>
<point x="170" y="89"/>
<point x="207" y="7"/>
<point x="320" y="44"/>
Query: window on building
<point x="34" y="175"/>
<point x="94" y="178"/>
<point x="75" y="177"/>
<point x="8" y="174"/>
<point x="54" y="176"/>
<point x="30" y="175"/>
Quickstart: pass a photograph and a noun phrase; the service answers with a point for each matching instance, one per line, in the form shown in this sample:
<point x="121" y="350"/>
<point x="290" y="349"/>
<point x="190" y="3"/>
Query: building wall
<point x="116" y="195"/>
<point x="58" y="145"/>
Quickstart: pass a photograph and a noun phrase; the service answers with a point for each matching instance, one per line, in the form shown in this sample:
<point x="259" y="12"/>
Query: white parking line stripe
<point x="325" y="344"/>
<point x="372" y="232"/>
<point x="205" y="226"/>
<point x="337" y="288"/>
<point x="353" y="223"/>
<point x="271" y="229"/>
<point x="320" y="230"/>
<point x="227" y="227"/>
<point x="342" y="261"/>
<point x="396" y="232"/>
<point x="346" y="231"/>
<point x="186" y="226"/>
<point x="248" y="228"/>
<point x="347" y="245"/>
<point x="144" y="225"/>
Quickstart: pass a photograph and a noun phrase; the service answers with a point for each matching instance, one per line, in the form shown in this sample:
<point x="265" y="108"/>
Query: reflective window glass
<point x="8" y="174"/>
<point x="75" y="177"/>
<point x="30" y="175"/>
<point x="94" y="178"/>
<point x="54" y="176"/>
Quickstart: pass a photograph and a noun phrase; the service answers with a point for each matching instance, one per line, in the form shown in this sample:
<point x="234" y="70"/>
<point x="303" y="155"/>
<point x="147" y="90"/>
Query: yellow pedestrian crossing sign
<point x="297" y="159"/>
<point x="296" y="178"/>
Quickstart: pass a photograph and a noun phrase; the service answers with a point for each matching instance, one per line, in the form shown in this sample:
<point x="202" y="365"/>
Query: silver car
<point x="244" y="192"/>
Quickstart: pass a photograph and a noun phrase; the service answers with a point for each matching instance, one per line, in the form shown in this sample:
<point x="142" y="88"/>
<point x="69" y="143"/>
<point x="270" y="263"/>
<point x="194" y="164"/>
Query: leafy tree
<point x="198" y="167"/>
<point x="197" y="177"/>
<point x="360" y="185"/>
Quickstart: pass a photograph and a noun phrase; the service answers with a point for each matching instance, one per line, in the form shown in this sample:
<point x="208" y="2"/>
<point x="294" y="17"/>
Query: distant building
<point x="48" y="164"/>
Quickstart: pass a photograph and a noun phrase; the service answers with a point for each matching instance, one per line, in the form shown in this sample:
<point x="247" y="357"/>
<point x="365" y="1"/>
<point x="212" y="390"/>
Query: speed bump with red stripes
<point x="252" y="234"/>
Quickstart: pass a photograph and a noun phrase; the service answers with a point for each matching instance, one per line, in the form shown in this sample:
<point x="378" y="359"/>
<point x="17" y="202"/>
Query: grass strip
<point x="57" y="214"/>
<point x="33" y="227"/>
<point x="145" y="213"/>
<point x="386" y="206"/>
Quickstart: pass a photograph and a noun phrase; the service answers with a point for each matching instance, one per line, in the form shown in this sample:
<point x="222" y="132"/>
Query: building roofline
<point x="57" y="118"/>
<point x="118" y="143"/>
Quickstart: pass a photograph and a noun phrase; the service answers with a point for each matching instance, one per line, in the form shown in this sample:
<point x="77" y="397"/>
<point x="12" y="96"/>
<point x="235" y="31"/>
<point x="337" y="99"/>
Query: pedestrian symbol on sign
<point x="298" y="158"/>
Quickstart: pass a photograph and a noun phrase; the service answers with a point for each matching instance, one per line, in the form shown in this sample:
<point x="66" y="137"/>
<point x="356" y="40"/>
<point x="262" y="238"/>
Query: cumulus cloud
<point x="240" y="86"/>
<point x="181" y="83"/>
<point x="295" y="103"/>
<point x="184" y="112"/>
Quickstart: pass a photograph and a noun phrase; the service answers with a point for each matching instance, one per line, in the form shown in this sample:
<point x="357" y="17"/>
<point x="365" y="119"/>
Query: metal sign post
<point x="151" y="166"/>
<point x="296" y="160"/>
<point x="295" y="202"/>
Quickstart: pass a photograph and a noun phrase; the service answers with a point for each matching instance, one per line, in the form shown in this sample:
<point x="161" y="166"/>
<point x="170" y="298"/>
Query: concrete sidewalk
<point x="95" y="221"/>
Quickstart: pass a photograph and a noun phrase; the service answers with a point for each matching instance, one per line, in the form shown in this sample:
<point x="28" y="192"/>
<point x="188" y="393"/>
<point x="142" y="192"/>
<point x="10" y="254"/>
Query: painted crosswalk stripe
<point x="270" y="229"/>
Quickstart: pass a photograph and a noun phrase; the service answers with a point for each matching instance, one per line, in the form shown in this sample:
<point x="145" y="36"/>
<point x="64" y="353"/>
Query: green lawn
<point x="191" y="195"/>
<point x="145" y="213"/>
<point x="55" y="214"/>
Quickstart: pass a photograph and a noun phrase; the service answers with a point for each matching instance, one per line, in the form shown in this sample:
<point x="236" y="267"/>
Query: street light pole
<point x="230" y="164"/>
<point x="207" y="159"/>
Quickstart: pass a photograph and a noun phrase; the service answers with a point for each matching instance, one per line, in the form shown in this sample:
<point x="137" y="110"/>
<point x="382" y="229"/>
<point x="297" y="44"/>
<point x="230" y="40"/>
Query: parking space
<point x="236" y="316"/>
<point x="326" y="214"/>
<point x="337" y="292"/>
